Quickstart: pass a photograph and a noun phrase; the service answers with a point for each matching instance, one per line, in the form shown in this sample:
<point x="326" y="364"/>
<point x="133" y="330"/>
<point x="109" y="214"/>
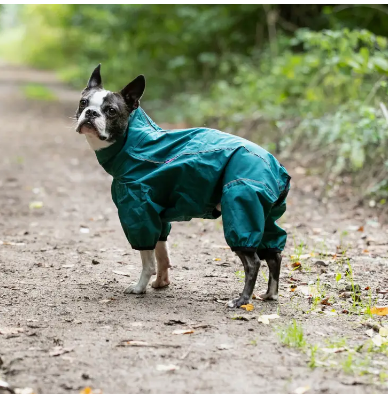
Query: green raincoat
<point x="161" y="176"/>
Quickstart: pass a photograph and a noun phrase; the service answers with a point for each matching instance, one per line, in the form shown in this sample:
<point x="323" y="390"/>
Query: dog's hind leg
<point x="251" y="264"/>
<point x="163" y="264"/>
<point x="148" y="262"/>
<point x="274" y="261"/>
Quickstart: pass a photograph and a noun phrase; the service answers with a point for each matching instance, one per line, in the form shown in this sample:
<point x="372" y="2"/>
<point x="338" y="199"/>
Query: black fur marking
<point x="251" y="263"/>
<point x="95" y="80"/>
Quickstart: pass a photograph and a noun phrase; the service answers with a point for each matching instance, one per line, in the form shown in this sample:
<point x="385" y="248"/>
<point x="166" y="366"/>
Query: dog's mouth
<point x="87" y="127"/>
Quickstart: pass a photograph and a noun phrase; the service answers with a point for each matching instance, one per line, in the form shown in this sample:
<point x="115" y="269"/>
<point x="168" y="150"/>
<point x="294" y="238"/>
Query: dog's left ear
<point x="95" y="80"/>
<point x="133" y="92"/>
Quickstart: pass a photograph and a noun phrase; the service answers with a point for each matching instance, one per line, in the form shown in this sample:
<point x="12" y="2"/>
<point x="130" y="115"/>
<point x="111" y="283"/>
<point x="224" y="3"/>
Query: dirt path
<point x="54" y="299"/>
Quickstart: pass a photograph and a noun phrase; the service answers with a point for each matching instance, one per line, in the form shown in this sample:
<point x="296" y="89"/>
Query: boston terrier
<point x="161" y="176"/>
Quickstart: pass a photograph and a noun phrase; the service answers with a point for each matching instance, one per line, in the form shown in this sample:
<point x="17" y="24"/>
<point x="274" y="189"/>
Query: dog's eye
<point x="112" y="111"/>
<point x="82" y="103"/>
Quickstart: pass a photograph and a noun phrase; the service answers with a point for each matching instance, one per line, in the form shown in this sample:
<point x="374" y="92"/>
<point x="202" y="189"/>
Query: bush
<point x="325" y="98"/>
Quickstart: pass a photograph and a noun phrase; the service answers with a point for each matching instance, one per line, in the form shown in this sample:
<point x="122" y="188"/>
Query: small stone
<point x="95" y="262"/>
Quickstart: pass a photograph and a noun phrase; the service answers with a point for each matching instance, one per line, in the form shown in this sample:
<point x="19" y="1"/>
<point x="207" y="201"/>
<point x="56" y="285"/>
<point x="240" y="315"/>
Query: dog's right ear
<point x="95" y="80"/>
<point x="133" y="92"/>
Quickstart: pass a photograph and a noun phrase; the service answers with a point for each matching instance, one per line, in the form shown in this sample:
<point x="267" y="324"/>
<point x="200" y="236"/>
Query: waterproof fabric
<point x="161" y="176"/>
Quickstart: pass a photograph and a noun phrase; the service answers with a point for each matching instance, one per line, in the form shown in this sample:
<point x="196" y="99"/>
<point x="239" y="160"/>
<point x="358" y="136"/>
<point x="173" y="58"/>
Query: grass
<point x="292" y="335"/>
<point x="38" y="92"/>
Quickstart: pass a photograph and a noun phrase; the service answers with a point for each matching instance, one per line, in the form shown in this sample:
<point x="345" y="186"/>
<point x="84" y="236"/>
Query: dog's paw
<point x="238" y="302"/>
<point x="268" y="296"/>
<point x="135" y="289"/>
<point x="160" y="283"/>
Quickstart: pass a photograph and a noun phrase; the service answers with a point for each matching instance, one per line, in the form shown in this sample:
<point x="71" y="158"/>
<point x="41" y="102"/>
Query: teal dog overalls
<point x="161" y="176"/>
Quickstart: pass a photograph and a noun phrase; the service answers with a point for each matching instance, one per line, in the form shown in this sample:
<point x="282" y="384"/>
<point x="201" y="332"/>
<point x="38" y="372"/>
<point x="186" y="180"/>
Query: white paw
<point x="135" y="289"/>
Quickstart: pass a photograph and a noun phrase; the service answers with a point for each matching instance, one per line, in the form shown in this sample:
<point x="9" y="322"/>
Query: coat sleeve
<point x="139" y="216"/>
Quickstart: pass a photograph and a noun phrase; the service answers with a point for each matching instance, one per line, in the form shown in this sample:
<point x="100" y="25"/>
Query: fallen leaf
<point x="379" y="310"/>
<point x="254" y="297"/>
<point x="121" y="273"/>
<point x="326" y="301"/>
<point x="59" y="350"/>
<point x="296" y="265"/>
<point x="167" y="368"/>
<point x="265" y="318"/>
<point x="224" y="346"/>
<point x="86" y="390"/>
<point x="247" y="307"/>
<point x="24" y="391"/>
<point x="140" y="343"/>
<point x="11" y="243"/>
<point x="377" y="340"/>
<point x="383" y="332"/>
<point x="35" y="204"/>
<point x="182" y="332"/>
<point x="137" y="343"/>
<point x="103" y="301"/>
<point x="360" y="229"/>
<point x="302" y="390"/>
<point x="310" y="290"/>
<point x="216" y="259"/>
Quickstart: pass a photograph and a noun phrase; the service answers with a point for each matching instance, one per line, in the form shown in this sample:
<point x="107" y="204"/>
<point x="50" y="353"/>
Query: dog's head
<point x="104" y="114"/>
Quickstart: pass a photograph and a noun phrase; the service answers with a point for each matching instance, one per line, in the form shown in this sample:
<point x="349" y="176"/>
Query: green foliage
<point x="307" y="80"/>
<point x="323" y="99"/>
<point x="38" y="92"/>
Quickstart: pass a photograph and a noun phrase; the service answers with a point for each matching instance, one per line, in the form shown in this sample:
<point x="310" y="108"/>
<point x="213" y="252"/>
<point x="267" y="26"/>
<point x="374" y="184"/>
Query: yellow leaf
<point x="379" y="310"/>
<point x="216" y="259"/>
<point x="33" y="205"/>
<point x="247" y="307"/>
<point x="383" y="332"/>
<point x="86" y="390"/>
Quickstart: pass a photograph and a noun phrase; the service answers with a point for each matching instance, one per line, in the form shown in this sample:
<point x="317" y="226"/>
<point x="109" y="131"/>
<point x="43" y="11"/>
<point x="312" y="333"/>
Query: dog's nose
<point x="92" y="113"/>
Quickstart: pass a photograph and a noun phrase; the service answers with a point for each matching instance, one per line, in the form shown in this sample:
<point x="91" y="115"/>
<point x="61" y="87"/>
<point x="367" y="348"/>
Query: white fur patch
<point x="97" y="98"/>
<point x="148" y="261"/>
<point x="95" y="143"/>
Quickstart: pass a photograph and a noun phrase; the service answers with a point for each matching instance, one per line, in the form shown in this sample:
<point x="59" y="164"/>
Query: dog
<point x="161" y="176"/>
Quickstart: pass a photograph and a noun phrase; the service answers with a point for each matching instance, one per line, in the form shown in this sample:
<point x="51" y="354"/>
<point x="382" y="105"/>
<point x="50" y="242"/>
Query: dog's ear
<point x="133" y="92"/>
<point x="95" y="80"/>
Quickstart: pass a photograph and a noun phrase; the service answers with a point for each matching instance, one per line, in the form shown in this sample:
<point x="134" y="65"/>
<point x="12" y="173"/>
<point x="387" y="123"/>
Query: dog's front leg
<point x="163" y="263"/>
<point x="148" y="261"/>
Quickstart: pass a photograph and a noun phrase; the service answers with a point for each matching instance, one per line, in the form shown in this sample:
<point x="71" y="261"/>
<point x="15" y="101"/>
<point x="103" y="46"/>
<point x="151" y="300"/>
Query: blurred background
<point x="308" y="82"/>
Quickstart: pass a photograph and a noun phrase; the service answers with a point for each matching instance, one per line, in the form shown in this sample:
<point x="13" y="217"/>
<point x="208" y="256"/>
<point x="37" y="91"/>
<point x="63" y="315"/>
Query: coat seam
<point x="255" y="181"/>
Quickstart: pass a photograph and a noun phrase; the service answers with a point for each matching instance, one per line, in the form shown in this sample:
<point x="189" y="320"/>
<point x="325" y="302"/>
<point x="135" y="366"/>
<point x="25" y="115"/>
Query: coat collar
<point x="106" y="154"/>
